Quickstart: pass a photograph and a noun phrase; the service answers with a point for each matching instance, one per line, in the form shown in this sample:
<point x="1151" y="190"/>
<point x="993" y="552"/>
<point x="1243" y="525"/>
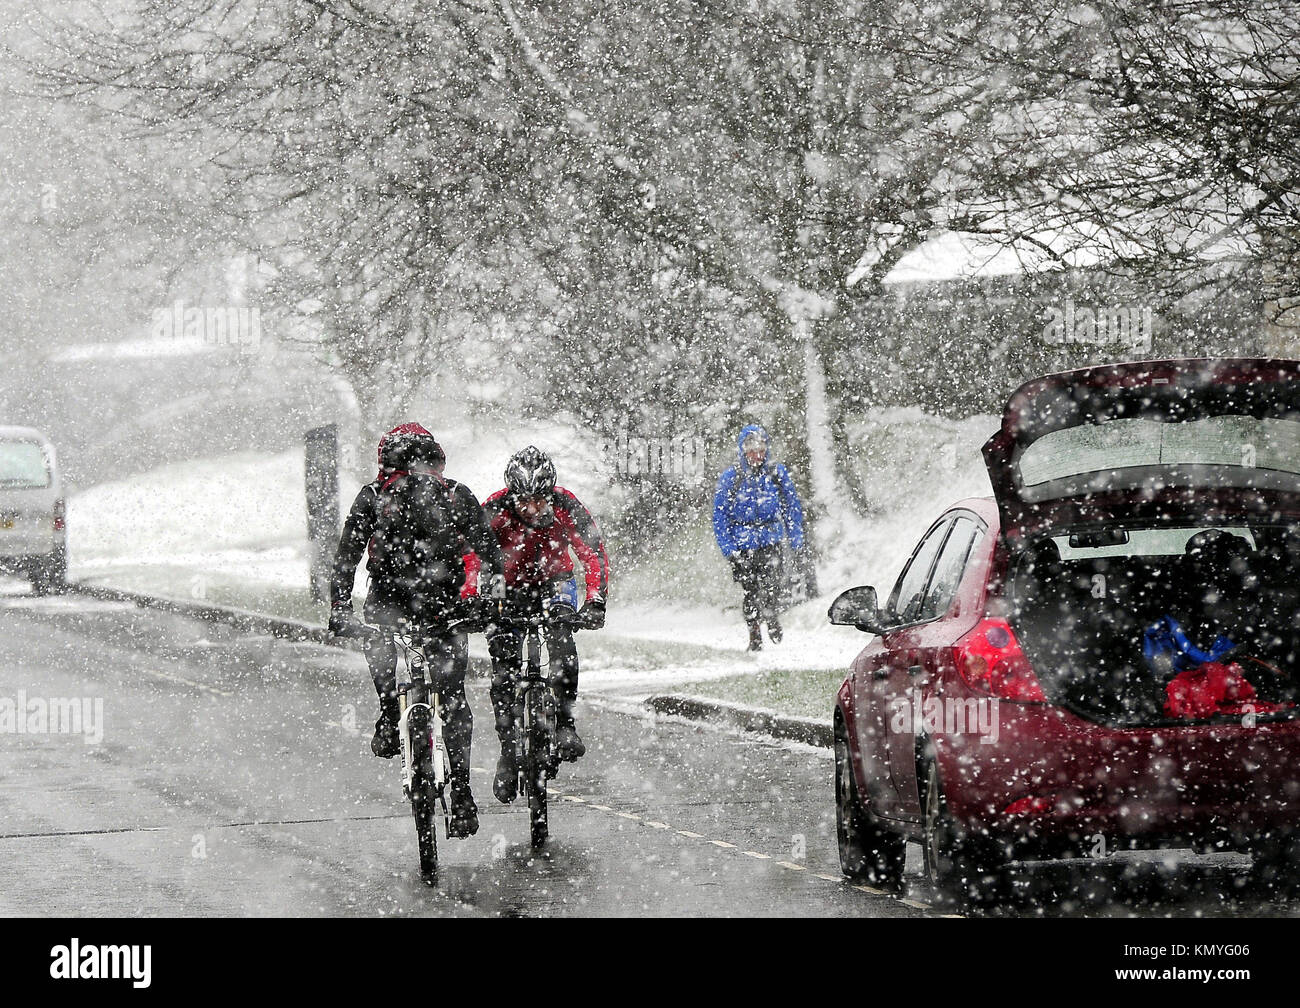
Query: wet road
<point x="234" y="777"/>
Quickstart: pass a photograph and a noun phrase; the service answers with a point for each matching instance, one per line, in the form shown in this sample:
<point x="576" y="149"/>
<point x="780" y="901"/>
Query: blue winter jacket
<point x="756" y="506"/>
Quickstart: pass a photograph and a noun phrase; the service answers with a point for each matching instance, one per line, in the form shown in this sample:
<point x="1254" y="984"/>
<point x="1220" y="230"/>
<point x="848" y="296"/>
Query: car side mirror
<point x="857" y="608"/>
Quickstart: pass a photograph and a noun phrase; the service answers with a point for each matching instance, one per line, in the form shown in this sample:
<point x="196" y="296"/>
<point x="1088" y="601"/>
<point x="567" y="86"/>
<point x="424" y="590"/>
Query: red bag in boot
<point x="1213" y="688"/>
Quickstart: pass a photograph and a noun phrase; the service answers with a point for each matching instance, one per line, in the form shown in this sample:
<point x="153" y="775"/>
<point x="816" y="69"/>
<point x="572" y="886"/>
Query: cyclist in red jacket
<point x="536" y="524"/>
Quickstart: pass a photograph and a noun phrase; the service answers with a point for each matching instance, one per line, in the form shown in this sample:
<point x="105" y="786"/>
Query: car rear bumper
<point x="1049" y="778"/>
<point x="27" y="524"/>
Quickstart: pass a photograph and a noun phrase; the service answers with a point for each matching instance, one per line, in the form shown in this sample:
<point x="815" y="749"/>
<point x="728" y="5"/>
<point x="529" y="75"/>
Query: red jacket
<point x="535" y="556"/>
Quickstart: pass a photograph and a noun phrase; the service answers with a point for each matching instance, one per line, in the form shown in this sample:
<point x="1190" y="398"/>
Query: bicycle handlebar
<point x="463" y="623"/>
<point x="501" y="614"/>
<point x="519" y="618"/>
<point x="356" y="630"/>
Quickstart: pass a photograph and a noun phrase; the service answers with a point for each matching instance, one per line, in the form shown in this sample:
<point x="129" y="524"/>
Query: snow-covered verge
<point x="232" y="530"/>
<point x="193" y="512"/>
<point x="914" y="465"/>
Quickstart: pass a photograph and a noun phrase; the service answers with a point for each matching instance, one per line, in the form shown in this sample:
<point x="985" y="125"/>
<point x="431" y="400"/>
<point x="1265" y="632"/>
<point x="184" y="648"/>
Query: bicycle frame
<point x="535" y="701"/>
<point x="420" y="702"/>
<point x="426" y="764"/>
<point x="417" y="699"/>
<point x="535" y="708"/>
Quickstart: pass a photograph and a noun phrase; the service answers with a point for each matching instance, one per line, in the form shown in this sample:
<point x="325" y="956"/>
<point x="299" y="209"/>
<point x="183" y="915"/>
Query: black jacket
<point x="425" y="525"/>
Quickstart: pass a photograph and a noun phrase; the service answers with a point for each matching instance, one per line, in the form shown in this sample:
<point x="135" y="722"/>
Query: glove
<point x="468" y="615"/>
<point x="561" y="611"/>
<point x="737" y="570"/>
<point x="487" y="613"/>
<point x="497" y="587"/>
<point x="592" y="616"/>
<point x="343" y="621"/>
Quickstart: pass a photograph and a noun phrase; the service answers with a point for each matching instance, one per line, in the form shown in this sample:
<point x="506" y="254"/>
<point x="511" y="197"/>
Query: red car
<point x="1101" y="656"/>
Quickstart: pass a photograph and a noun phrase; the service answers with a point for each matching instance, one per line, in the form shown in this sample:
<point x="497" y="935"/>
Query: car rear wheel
<point x="867" y="851"/>
<point x="1276" y="865"/>
<point x="49" y="574"/>
<point x="963" y="871"/>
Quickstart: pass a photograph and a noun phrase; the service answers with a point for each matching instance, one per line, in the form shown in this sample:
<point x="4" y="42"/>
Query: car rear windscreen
<point x="23" y="466"/>
<point x="1243" y="442"/>
<point x="1149" y="542"/>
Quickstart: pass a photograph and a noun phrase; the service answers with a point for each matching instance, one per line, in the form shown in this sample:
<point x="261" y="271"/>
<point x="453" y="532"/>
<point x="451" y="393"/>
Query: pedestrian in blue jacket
<point x="755" y="510"/>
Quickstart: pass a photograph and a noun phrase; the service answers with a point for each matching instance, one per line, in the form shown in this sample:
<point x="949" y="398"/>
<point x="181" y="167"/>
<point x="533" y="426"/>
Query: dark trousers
<point x="759" y="573"/>
<point x="448" y="662"/>
<point x="505" y="647"/>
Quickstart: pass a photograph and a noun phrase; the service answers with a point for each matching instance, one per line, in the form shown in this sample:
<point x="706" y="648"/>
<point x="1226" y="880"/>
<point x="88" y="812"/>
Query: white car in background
<point x="33" y="536"/>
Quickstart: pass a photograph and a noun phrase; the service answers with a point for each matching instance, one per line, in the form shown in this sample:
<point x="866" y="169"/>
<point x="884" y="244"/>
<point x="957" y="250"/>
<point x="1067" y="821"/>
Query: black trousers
<point x="505" y="648"/>
<point x="759" y="573"/>
<point x="448" y="663"/>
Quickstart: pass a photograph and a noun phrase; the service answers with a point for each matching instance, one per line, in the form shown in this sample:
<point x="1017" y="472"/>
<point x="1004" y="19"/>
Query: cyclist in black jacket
<point x="417" y="525"/>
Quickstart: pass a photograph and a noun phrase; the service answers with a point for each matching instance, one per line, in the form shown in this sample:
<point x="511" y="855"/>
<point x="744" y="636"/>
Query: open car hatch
<point x="1152" y="439"/>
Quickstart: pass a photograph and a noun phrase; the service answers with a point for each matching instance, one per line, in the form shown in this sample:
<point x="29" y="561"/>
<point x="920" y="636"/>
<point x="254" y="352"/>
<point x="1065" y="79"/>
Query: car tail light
<point x="1034" y="805"/>
<point x="60" y="512"/>
<point x="989" y="659"/>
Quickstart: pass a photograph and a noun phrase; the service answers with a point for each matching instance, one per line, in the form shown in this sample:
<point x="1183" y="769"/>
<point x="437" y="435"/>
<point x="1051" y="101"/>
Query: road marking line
<point x="72" y="833"/>
<point x="760" y="856"/>
<point x="756" y="855"/>
<point x="873" y="891"/>
<point x="186" y="682"/>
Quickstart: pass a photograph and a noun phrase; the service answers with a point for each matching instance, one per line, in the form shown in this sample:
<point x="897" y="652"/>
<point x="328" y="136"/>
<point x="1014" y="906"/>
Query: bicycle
<point x="535" y="704"/>
<point x="425" y="763"/>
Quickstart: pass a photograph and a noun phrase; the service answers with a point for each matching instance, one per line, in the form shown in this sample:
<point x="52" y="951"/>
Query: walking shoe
<point x="774" y="630"/>
<point x="755" y="637"/>
<point x="464" y="814"/>
<point x="568" y="745"/>
<point x="386" y="742"/>
<point x="505" y="785"/>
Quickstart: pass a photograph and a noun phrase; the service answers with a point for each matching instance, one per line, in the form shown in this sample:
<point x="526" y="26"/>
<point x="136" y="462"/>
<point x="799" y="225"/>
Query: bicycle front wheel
<point x="424" y="794"/>
<point x="424" y="803"/>
<point x="536" y="749"/>
<point x="535" y="772"/>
